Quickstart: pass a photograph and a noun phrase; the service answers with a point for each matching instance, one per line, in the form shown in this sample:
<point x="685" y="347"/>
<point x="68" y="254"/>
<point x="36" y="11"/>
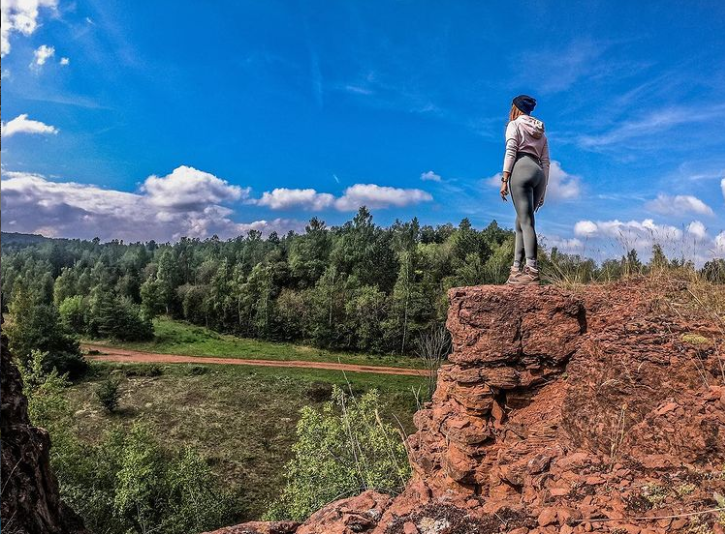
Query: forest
<point x="357" y="287"/>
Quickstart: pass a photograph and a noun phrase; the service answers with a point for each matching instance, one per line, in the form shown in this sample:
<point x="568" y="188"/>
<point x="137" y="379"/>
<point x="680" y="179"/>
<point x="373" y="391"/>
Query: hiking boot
<point x="523" y="277"/>
<point x="515" y="276"/>
<point x="530" y="276"/>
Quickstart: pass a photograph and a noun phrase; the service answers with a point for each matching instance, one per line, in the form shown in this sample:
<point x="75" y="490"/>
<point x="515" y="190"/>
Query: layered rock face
<point x="601" y="410"/>
<point x="30" y="501"/>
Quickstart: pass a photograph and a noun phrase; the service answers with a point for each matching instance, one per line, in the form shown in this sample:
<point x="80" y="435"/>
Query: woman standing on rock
<point x="525" y="173"/>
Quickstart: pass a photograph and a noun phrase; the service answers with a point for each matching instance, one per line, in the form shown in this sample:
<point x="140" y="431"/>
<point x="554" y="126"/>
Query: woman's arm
<point x="513" y="139"/>
<point x="545" y="164"/>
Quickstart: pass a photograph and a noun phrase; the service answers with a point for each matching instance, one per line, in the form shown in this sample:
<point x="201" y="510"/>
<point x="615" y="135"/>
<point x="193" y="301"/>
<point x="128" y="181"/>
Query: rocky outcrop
<point x="600" y="410"/>
<point x="30" y="498"/>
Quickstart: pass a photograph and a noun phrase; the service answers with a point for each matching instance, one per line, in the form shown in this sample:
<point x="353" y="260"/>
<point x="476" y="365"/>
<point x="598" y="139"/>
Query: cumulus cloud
<point x="308" y="199"/>
<point x="371" y="195"/>
<point x="697" y="229"/>
<point x="679" y="204"/>
<point x="561" y="186"/>
<point x="187" y="188"/>
<point x="20" y="16"/>
<point x="585" y="228"/>
<point x="65" y="61"/>
<point x="32" y="203"/>
<point x="609" y="238"/>
<point x="21" y="124"/>
<point x="722" y="186"/>
<point x="643" y="230"/>
<point x="376" y="196"/>
<point x="42" y="54"/>
<point x="430" y="176"/>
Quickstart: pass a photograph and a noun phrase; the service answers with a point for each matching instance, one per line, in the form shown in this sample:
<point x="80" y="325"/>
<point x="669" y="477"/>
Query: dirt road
<point x="111" y="354"/>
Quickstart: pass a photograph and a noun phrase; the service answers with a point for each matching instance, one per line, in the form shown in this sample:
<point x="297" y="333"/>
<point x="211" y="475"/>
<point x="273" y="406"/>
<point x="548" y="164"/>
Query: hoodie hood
<point x="533" y="127"/>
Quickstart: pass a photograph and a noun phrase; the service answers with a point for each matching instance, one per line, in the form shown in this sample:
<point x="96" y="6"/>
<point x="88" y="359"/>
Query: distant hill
<point x="16" y="239"/>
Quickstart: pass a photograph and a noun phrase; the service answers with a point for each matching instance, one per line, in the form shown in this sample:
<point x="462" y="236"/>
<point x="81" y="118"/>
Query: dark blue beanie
<point x="525" y="103"/>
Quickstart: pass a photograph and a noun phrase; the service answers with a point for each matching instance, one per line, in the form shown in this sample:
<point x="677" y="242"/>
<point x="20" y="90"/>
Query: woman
<point x="525" y="174"/>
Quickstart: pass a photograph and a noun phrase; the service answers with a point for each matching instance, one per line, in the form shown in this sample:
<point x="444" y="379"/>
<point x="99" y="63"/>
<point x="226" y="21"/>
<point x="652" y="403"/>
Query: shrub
<point x="342" y="450"/>
<point x="120" y="319"/>
<point x="42" y="389"/>
<point x="73" y="314"/>
<point x="108" y="393"/>
<point x="37" y="326"/>
<point x="70" y="364"/>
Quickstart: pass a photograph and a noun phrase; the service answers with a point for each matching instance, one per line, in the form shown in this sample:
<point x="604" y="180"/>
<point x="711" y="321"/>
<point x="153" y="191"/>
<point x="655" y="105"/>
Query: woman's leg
<point x="525" y="179"/>
<point x="519" y="253"/>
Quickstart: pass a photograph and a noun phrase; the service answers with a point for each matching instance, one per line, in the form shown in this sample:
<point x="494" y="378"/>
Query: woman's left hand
<point x="504" y="191"/>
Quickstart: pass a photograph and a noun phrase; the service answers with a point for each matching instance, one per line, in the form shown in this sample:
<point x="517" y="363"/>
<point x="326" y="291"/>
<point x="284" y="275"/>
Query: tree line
<point x="354" y="287"/>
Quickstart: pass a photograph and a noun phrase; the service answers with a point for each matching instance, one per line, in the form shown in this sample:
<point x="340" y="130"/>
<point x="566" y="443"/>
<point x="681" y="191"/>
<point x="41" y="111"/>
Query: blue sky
<point x="158" y="119"/>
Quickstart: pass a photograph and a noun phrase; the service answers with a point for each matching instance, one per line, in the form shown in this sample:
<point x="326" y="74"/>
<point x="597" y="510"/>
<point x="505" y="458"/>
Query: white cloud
<point x="697" y="229"/>
<point x="187" y="188"/>
<point x="607" y="239"/>
<point x="32" y="203"/>
<point x="376" y="196"/>
<point x="585" y="228"/>
<point x="679" y="204"/>
<point x="430" y="176"/>
<point x="309" y="199"/>
<point x="64" y="61"/>
<point x="21" y="124"/>
<point x="20" y="16"/>
<point x="371" y="195"/>
<point x="634" y="230"/>
<point x="722" y="186"/>
<point x="42" y="54"/>
<point x="562" y="185"/>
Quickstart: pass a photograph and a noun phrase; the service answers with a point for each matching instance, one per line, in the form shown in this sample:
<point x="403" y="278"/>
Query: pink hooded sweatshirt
<point x="526" y="134"/>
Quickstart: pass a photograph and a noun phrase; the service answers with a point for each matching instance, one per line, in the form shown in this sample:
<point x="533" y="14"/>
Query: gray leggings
<point x="527" y="188"/>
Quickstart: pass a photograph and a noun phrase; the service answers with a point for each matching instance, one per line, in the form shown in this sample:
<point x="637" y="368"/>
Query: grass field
<point x="176" y="337"/>
<point x="242" y="419"/>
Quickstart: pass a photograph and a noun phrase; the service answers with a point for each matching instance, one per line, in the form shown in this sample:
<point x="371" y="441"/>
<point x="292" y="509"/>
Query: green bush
<point x="70" y="364"/>
<point x="74" y="314"/>
<point x="342" y="450"/>
<point x="119" y="319"/>
<point x="42" y="388"/>
<point x="37" y="326"/>
<point x="108" y="393"/>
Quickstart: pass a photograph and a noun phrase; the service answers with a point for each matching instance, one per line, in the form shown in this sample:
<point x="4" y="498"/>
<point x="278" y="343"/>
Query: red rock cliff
<point x="601" y="410"/>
